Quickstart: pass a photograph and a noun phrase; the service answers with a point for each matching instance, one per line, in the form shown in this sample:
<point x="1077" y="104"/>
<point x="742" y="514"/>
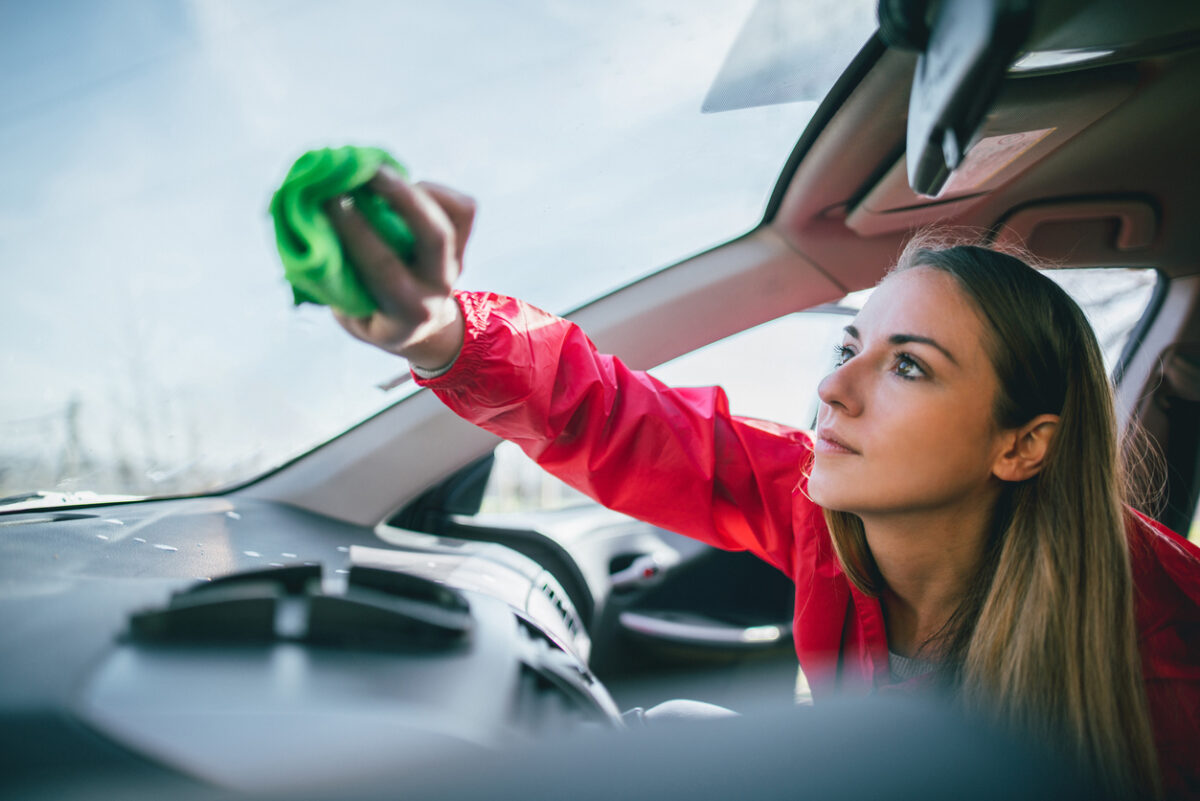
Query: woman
<point x="958" y="516"/>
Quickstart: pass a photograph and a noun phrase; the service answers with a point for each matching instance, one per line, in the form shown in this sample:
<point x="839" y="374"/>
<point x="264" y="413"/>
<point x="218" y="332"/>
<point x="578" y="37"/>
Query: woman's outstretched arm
<point x="673" y="457"/>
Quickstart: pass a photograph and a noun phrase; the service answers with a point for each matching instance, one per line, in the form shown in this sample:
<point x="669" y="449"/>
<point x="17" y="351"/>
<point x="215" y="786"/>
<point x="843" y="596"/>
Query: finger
<point x="352" y="325"/>
<point x="376" y="264"/>
<point x="459" y="208"/>
<point x="429" y="223"/>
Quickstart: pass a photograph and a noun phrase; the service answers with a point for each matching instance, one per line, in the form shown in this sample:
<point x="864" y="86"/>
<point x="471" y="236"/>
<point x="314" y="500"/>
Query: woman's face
<point x="906" y="422"/>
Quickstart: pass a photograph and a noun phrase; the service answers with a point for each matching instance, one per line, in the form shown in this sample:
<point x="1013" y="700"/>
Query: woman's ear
<point x="1023" y="449"/>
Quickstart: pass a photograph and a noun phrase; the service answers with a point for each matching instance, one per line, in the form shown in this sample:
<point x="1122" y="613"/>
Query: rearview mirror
<point x="966" y="48"/>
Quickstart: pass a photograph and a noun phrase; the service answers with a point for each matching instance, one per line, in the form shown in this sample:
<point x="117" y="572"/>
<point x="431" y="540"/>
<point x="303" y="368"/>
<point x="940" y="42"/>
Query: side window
<point x="1114" y="301"/>
<point x="516" y="484"/>
<point x="770" y="372"/>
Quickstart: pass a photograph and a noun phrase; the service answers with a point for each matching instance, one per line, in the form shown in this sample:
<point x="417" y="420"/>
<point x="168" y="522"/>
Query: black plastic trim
<point x="1138" y="334"/>
<point x="904" y="24"/>
<point x="548" y="554"/>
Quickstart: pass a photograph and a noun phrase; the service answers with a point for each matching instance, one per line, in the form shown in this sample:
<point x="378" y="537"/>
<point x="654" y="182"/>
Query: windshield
<point x="150" y="344"/>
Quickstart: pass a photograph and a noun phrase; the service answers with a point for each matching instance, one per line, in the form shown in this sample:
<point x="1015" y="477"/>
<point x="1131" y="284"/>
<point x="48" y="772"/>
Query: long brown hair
<point x="1046" y="639"/>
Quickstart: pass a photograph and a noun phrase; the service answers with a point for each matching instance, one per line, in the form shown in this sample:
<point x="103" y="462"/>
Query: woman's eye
<point x="906" y="367"/>
<point x="842" y="354"/>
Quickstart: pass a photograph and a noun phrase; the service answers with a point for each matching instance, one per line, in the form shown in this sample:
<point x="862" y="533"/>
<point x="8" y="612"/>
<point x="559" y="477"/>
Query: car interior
<point x="362" y="615"/>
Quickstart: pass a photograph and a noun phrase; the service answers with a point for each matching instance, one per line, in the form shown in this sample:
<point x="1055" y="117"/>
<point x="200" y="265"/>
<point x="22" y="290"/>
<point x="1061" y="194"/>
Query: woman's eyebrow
<point x="904" y="339"/>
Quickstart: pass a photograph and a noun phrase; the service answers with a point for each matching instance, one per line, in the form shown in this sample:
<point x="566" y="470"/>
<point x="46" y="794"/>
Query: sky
<point x="140" y="143"/>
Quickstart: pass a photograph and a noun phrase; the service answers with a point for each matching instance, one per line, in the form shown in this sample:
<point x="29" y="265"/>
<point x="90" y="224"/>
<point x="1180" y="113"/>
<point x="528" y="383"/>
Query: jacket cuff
<point x="476" y="311"/>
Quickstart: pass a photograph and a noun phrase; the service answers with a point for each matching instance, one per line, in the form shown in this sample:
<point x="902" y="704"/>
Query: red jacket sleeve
<point x="672" y="457"/>
<point x="1166" y="574"/>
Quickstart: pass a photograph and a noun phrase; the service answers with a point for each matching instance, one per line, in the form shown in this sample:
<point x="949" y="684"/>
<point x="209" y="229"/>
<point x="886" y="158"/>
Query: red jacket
<point x="677" y="458"/>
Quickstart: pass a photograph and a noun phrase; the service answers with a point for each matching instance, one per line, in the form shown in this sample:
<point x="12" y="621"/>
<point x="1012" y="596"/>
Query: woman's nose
<point x="840" y="389"/>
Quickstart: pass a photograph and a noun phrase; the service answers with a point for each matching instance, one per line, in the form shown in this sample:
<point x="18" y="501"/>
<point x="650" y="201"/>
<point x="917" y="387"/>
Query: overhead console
<point x="967" y="48"/>
<point x="999" y="86"/>
<point x="1031" y="119"/>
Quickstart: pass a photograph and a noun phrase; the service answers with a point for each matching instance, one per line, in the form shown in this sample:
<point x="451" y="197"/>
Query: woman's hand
<point x="417" y="317"/>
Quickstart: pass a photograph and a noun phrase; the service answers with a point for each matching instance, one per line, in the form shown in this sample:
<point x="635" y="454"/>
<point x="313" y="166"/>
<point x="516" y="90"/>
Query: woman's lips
<point x="827" y="442"/>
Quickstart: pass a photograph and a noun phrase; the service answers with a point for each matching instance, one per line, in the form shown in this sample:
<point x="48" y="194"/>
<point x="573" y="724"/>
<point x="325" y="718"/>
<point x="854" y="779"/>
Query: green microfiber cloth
<point x="313" y="260"/>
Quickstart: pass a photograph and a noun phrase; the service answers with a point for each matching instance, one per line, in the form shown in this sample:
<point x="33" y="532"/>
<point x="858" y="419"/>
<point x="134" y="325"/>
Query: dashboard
<point x="254" y="647"/>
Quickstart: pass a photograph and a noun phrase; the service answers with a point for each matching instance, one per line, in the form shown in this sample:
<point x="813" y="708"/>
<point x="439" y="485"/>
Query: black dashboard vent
<point x="375" y="609"/>
<point x="562" y="604"/>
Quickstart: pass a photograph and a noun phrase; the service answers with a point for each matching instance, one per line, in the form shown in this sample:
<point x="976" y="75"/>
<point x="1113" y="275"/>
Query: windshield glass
<point x="151" y="346"/>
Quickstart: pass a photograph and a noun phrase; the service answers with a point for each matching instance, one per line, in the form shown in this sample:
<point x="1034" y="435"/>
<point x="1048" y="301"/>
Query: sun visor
<point x="1032" y="117"/>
